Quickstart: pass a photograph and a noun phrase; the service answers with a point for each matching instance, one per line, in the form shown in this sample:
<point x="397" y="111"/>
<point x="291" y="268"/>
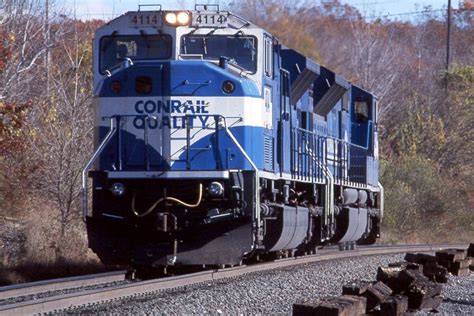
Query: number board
<point x="145" y="19"/>
<point x="208" y="19"/>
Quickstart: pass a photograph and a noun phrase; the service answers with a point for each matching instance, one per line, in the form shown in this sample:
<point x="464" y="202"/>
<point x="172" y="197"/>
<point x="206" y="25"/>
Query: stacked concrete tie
<point x="409" y="286"/>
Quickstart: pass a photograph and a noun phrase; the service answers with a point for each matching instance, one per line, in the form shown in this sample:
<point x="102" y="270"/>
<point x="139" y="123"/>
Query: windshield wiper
<point x="210" y="33"/>
<point x="204" y="45"/>
<point x="125" y="62"/>
<point x="145" y="37"/>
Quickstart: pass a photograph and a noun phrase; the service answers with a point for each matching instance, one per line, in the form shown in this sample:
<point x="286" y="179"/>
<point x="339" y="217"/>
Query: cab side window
<point x="361" y="111"/>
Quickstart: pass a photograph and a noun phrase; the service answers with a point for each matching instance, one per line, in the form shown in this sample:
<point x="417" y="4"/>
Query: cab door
<point x="284" y="123"/>
<point x="268" y="96"/>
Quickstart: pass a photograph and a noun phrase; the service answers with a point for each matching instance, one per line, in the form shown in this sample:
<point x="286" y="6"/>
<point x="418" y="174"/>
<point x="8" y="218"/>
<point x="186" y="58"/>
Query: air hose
<point x="165" y="199"/>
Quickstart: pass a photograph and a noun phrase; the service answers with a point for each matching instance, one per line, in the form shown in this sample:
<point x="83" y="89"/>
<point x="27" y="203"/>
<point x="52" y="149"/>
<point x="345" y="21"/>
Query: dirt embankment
<point x="30" y="254"/>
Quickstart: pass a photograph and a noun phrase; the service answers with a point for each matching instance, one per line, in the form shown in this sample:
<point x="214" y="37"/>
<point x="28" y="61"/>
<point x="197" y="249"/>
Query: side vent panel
<point x="268" y="152"/>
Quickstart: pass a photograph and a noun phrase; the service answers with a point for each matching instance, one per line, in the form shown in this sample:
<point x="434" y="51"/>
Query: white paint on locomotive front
<point x="166" y="118"/>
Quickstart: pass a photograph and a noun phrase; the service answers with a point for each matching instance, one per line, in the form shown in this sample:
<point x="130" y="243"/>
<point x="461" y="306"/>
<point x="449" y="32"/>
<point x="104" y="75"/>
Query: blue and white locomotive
<point x="215" y="143"/>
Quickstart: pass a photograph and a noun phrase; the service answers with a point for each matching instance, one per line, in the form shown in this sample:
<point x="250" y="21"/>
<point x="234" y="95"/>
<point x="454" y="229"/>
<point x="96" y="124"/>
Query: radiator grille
<point x="268" y="152"/>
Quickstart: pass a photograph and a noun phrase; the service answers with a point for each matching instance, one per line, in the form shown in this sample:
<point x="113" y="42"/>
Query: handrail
<point x="125" y="63"/>
<point x="257" y="179"/>
<point x="381" y="201"/>
<point x="197" y="6"/>
<point x="329" y="137"/>
<point x="149" y="5"/>
<point x="85" y="170"/>
<point x="329" y="192"/>
<point x="204" y="83"/>
<point x="220" y="121"/>
<point x="345" y="156"/>
<point x="191" y="56"/>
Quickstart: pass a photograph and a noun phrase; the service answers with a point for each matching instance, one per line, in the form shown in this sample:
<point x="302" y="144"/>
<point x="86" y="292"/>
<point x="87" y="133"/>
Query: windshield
<point x="114" y="49"/>
<point x="241" y="50"/>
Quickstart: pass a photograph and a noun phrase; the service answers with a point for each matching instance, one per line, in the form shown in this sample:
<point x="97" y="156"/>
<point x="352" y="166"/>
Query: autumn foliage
<point x="4" y="50"/>
<point x="12" y="121"/>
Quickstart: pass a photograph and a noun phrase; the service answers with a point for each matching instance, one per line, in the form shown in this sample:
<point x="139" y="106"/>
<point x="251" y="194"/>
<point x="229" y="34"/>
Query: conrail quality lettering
<point x="195" y="112"/>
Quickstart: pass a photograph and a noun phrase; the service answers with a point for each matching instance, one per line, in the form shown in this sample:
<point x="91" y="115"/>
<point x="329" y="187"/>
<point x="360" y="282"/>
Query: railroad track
<point x="64" y="301"/>
<point x="35" y="288"/>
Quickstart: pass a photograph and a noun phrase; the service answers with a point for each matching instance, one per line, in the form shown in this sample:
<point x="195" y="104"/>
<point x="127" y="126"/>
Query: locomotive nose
<point x="177" y="78"/>
<point x="203" y="78"/>
<point x="155" y="102"/>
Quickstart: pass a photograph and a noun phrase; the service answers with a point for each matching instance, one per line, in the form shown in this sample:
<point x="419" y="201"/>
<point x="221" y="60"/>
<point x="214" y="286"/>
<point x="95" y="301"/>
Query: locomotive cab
<point x="147" y="37"/>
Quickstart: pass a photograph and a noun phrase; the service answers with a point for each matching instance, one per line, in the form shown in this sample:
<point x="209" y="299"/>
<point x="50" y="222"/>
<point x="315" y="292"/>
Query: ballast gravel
<point x="458" y="296"/>
<point x="275" y="291"/>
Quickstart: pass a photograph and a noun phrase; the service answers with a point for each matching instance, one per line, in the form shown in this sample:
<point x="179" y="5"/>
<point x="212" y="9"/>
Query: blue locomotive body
<point x="215" y="143"/>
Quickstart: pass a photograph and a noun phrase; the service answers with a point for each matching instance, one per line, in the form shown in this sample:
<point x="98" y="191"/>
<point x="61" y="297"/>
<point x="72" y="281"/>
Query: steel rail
<point x="94" y="296"/>
<point x="34" y="288"/>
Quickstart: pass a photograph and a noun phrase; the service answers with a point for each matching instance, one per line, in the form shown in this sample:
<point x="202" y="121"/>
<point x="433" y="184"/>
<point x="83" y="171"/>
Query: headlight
<point x="171" y="18"/>
<point x="117" y="189"/>
<point x="215" y="189"/>
<point x="177" y="18"/>
<point x="183" y="18"/>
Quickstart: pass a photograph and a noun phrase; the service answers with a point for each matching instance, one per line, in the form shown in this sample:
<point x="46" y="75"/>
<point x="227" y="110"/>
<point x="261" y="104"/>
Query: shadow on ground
<point x="59" y="269"/>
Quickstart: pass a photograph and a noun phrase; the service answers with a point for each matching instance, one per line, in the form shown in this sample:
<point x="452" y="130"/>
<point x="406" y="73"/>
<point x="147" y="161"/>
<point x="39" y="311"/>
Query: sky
<point x="108" y="9"/>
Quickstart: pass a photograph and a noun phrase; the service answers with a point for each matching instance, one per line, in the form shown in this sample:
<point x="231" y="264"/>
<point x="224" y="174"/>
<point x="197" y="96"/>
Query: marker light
<point x="116" y="86"/>
<point x="117" y="189"/>
<point x="171" y="18"/>
<point x="183" y="18"/>
<point x="215" y="189"/>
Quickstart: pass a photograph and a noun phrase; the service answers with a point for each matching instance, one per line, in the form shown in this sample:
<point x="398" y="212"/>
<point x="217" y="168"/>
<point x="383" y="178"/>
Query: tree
<point x="21" y="22"/>
<point x="21" y="49"/>
<point x="45" y="121"/>
<point x="457" y="113"/>
<point x="283" y="19"/>
<point x="62" y="143"/>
